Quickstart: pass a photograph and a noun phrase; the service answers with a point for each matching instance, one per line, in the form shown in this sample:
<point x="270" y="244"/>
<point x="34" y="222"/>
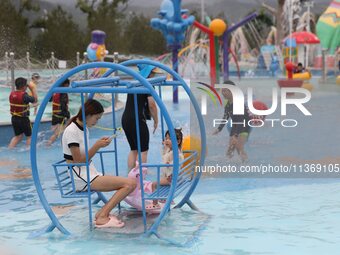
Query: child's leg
<point x="231" y="147"/>
<point x="28" y="141"/>
<point x="163" y="182"/>
<point x="14" y="141"/>
<point x="56" y="131"/>
<point x="133" y="156"/>
<point x="242" y="139"/>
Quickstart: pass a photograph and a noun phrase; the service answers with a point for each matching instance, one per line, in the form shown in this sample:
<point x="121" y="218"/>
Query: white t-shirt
<point x="168" y="158"/>
<point x="74" y="136"/>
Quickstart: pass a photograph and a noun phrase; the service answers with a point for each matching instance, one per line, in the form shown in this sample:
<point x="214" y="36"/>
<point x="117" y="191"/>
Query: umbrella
<point x="304" y="37"/>
<point x="328" y="27"/>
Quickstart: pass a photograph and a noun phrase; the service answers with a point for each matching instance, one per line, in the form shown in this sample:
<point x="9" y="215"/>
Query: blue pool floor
<point x="238" y="215"/>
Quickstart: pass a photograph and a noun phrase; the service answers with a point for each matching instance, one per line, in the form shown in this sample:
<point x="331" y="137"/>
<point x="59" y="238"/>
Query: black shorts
<point x="58" y="120"/>
<point x="129" y="127"/>
<point x="237" y="130"/>
<point x="21" y="125"/>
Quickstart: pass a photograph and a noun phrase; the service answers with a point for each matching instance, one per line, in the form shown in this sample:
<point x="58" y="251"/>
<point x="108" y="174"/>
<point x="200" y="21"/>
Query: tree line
<point x="56" y="31"/>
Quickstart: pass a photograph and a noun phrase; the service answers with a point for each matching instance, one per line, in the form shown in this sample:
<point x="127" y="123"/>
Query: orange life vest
<point x="17" y="105"/>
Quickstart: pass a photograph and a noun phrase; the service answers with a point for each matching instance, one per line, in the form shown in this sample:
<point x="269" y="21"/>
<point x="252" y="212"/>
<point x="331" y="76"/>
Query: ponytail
<point x="91" y="107"/>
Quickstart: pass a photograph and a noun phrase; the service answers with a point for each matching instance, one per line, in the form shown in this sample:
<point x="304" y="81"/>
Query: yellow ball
<point x="191" y="143"/>
<point x="218" y="27"/>
<point x="308" y="86"/>
<point x="338" y="80"/>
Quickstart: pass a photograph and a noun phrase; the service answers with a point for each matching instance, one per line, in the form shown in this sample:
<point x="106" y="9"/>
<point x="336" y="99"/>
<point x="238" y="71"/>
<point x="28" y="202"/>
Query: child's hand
<point x="216" y="131"/>
<point x="169" y="179"/>
<point x="103" y="142"/>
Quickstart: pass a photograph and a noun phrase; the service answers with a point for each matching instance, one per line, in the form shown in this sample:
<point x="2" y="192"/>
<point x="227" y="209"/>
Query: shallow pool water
<point x="238" y="215"/>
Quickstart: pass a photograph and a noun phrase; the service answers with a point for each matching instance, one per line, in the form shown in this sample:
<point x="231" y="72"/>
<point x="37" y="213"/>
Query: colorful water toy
<point x="290" y="82"/>
<point x="338" y="80"/>
<point x="184" y="179"/>
<point x="214" y="32"/>
<point x="218" y="27"/>
<point x="173" y="25"/>
<point x="96" y="50"/>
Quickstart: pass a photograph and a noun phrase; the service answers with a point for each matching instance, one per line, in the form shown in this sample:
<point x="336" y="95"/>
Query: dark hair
<point x="229" y="82"/>
<point x="20" y="82"/>
<point x="35" y="75"/>
<point x="300" y="64"/>
<point x="65" y="83"/>
<point x="91" y="107"/>
<point x="179" y="136"/>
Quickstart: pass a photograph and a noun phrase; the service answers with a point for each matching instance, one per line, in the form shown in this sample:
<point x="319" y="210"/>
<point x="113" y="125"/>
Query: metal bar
<point x="139" y="159"/>
<point x="107" y="81"/>
<point x="139" y="90"/>
<point x="87" y="159"/>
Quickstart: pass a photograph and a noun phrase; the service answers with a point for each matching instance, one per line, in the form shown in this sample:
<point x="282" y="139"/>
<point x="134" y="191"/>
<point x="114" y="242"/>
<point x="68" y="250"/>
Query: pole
<point x="217" y="53"/>
<point x="78" y="58"/>
<point x="202" y="11"/>
<point x="225" y="56"/>
<point x="28" y="64"/>
<point x="84" y="62"/>
<point x="290" y="27"/>
<point x="226" y="41"/>
<point x="7" y="66"/>
<point x="116" y="60"/>
<point x="52" y="59"/>
<point x="309" y="5"/>
<point x="324" y="66"/>
<point x="175" y="68"/>
<point x="86" y="73"/>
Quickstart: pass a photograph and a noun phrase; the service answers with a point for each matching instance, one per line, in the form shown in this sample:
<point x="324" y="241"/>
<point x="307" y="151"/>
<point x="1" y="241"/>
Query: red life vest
<point x="56" y="106"/>
<point x="17" y="105"/>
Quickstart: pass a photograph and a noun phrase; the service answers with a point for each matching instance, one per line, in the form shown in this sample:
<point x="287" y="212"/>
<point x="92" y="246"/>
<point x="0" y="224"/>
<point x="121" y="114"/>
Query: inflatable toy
<point x="308" y="86"/>
<point x="302" y="76"/>
<point x="191" y="143"/>
<point x="134" y="199"/>
<point x="338" y="80"/>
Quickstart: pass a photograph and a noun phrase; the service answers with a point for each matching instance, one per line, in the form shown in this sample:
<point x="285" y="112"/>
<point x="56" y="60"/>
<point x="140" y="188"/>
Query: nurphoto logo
<point x="239" y="105"/>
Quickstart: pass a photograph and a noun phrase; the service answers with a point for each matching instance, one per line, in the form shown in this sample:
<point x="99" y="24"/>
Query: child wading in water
<point x="240" y="130"/>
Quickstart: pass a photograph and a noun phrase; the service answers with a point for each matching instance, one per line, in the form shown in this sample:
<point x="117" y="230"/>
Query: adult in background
<point x="147" y="109"/>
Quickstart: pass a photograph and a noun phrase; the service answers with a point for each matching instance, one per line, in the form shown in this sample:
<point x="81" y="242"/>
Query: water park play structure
<point x="184" y="178"/>
<point x="173" y="24"/>
<point x="204" y="48"/>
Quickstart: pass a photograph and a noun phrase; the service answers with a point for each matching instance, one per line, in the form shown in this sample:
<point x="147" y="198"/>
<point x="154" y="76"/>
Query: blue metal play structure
<point x="184" y="179"/>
